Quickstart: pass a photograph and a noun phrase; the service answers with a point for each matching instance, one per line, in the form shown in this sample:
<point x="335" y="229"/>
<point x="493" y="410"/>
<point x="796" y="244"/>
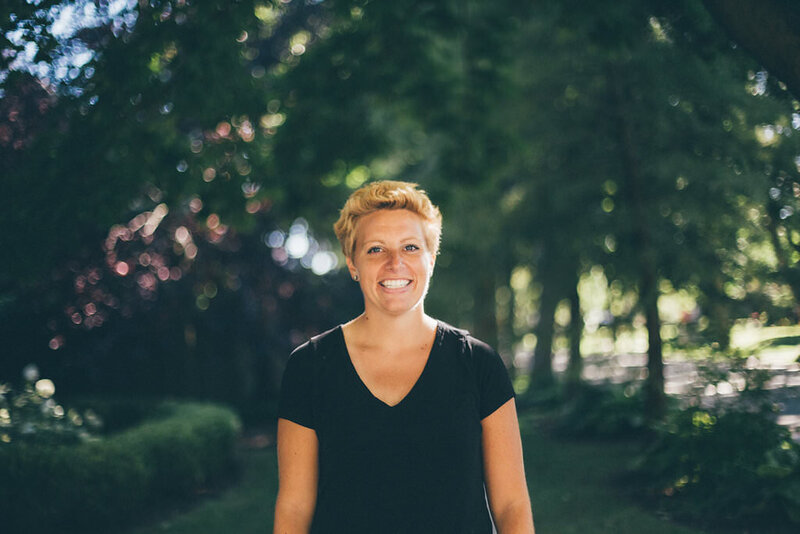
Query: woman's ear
<point x="352" y="268"/>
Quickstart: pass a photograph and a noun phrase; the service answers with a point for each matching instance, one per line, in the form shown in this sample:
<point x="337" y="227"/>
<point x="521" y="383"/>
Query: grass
<point x="243" y="508"/>
<point x="574" y="485"/>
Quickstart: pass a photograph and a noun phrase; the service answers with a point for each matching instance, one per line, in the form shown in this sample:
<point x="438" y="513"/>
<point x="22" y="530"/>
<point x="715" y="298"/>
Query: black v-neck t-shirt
<point x="412" y="468"/>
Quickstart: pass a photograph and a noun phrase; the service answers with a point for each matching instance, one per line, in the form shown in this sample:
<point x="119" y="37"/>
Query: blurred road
<point x="683" y="379"/>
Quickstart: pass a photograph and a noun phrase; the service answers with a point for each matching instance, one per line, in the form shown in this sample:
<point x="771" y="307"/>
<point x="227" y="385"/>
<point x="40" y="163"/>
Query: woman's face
<point x="392" y="261"/>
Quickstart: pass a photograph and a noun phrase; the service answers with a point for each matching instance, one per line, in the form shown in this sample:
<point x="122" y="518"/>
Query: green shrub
<point x="118" y="413"/>
<point x="90" y="486"/>
<point x="602" y="411"/>
<point x="67" y="487"/>
<point x="725" y="466"/>
<point x="187" y="446"/>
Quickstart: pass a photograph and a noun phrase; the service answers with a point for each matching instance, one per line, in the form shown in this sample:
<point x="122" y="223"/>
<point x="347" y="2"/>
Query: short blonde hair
<point x="387" y="195"/>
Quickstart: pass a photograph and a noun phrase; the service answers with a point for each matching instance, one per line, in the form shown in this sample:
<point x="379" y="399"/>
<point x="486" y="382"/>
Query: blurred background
<point x="619" y="181"/>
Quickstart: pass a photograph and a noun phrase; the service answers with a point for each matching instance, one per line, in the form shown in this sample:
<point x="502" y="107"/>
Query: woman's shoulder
<point x="482" y="363"/>
<point x="317" y="344"/>
<point x="471" y="344"/>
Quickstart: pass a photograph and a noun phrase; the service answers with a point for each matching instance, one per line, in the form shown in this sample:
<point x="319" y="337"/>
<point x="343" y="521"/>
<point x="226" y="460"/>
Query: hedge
<point x="725" y="468"/>
<point x="94" y="485"/>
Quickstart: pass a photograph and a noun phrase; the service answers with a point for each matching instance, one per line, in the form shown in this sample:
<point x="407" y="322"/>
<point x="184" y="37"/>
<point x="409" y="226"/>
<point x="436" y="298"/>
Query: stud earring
<point x="355" y="277"/>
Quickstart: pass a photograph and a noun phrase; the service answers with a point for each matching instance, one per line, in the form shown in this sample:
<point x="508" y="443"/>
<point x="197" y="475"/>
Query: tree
<point x="767" y="29"/>
<point x="174" y="99"/>
<point x="668" y="142"/>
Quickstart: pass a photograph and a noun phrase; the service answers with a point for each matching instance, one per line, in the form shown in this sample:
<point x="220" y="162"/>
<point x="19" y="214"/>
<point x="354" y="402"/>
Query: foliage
<point x="187" y="447"/>
<point x="222" y="310"/>
<point x="32" y="415"/>
<point x="221" y="100"/>
<point x="221" y="114"/>
<point x="91" y="486"/>
<point x="725" y="466"/>
<point x="771" y="40"/>
<point x="119" y="413"/>
<point x="602" y="411"/>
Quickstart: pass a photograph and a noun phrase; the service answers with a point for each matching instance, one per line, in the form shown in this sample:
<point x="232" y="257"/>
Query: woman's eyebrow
<point x="382" y="241"/>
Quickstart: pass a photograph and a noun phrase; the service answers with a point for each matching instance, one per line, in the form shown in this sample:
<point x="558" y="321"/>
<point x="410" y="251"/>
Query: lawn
<point x="575" y="486"/>
<point x="244" y="508"/>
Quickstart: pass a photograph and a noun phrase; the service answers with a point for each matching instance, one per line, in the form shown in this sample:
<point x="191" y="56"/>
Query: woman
<point x="395" y="422"/>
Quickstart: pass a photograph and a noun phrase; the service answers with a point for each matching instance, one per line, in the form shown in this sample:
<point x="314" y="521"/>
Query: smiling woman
<point x="391" y="261"/>
<point x="395" y="422"/>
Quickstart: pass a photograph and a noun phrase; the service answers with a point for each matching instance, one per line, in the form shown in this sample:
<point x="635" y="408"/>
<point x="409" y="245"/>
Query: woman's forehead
<point x="390" y="224"/>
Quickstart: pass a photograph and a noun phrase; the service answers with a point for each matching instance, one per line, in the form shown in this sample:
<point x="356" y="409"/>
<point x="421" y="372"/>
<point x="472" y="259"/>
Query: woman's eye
<point x="373" y="250"/>
<point x="411" y="248"/>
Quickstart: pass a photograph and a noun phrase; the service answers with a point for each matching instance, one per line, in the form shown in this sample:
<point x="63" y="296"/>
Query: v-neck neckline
<point x="437" y="340"/>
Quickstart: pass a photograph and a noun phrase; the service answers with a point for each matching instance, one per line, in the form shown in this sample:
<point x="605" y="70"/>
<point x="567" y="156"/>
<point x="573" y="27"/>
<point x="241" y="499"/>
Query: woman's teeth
<point x="395" y="284"/>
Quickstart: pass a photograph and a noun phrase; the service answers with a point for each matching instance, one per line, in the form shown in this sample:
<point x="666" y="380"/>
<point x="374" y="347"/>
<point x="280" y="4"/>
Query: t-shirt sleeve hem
<point x="494" y="408"/>
<point x="494" y="385"/>
<point x="297" y="420"/>
<point x="295" y="403"/>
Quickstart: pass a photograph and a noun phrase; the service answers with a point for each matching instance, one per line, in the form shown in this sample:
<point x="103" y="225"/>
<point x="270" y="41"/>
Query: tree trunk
<point x="785" y="268"/>
<point x="718" y="312"/>
<point x="575" y="332"/>
<point x="485" y="310"/>
<point x="655" y="400"/>
<point x="542" y="372"/>
<point x="505" y="318"/>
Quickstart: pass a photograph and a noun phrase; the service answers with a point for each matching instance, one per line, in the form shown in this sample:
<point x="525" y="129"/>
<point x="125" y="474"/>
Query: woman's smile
<point x="395" y="284"/>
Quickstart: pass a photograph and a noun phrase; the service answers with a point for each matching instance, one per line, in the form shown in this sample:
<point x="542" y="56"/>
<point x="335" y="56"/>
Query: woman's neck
<point x="385" y="330"/>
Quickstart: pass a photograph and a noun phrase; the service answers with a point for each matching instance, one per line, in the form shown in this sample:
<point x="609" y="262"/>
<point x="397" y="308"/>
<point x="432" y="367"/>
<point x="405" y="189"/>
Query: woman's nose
<point x="395" y="259"/>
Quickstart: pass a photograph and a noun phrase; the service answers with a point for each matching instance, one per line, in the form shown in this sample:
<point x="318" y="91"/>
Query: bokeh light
<point x="323" y="262"/>
<point x="45" y="388"/>
<point x="297" y="244"/>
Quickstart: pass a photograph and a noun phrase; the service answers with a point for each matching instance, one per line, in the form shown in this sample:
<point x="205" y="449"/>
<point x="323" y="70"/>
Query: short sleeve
<point x="494" y="385"/>
<point x="295" y="402"/>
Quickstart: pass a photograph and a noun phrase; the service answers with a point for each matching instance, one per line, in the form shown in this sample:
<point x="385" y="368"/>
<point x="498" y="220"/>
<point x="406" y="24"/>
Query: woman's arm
<point x="505" y="473"/>
<point x="297" y="478"/>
